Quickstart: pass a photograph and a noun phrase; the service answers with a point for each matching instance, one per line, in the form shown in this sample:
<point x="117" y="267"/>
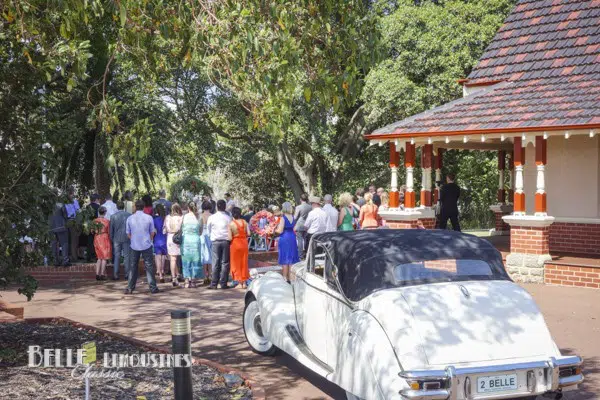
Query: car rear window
<point x="442" y="271"/>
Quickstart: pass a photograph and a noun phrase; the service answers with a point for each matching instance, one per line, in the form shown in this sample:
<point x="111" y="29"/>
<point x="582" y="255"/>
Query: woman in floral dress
<point x="171" y="227"/>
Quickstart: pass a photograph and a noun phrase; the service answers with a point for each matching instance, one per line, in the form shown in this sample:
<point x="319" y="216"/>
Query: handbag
<point x="178" y="237"/>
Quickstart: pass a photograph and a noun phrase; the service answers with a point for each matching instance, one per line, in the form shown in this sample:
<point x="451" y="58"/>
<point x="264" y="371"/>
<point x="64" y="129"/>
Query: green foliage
<point x="267" y="52"/>
<point x="477" y="175"/>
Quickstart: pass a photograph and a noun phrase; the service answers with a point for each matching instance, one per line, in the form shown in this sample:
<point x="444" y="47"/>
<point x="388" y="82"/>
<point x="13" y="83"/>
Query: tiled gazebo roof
<point x="541" y="72"/>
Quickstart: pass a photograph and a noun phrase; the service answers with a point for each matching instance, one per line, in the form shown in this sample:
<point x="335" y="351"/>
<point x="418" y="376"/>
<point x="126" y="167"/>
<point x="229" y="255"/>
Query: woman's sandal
<point x="186" y="284"/>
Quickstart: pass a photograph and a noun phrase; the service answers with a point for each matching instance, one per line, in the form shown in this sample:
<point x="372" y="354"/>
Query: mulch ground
<point x="18" y="381"/>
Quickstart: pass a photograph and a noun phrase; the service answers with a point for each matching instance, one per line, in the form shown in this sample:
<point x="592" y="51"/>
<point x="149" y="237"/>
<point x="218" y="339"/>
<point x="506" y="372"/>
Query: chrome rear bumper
<point x="453" y="380"/>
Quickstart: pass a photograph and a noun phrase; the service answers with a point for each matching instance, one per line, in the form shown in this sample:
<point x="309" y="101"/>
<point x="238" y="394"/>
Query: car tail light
<point x="429" y="384"/>
<point x="565" y="372"/>
<point x="436" y="385"/>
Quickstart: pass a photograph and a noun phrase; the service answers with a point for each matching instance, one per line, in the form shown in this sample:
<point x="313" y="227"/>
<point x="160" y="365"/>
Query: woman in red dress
<point x="102" y="244"/>
<point x="238" y="250"/>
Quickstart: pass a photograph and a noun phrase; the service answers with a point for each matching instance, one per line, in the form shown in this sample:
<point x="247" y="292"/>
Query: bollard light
<point x="181" y="334"/>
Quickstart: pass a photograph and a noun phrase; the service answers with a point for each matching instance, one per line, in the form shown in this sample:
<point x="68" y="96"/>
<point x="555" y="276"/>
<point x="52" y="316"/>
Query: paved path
<point x="573" y="316"/>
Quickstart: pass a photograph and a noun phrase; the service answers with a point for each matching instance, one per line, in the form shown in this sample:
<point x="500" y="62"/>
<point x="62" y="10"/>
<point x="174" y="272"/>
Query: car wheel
<point x="253" y="330"/>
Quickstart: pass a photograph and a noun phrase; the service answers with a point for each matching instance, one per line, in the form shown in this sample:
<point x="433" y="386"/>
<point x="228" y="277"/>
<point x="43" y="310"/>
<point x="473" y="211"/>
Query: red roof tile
<point x="548" y="55"/>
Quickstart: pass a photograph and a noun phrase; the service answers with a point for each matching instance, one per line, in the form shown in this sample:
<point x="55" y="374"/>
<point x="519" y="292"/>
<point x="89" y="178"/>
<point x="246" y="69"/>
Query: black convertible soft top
<point x="366" y="259"/>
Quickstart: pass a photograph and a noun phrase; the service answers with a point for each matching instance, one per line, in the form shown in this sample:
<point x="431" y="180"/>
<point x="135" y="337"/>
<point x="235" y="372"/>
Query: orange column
<point x="438" y="164"/>
<point x="394" y="201"/>
<point x="540" y="162"/>
<point x="426" y="161"/>
<point x="501" y="167"/>
<point x="511" y="183"/>
<point x="409" y="163"/>
<point x="519" y="162"/>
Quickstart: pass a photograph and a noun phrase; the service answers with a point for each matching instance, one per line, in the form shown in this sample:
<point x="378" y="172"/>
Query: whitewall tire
<point x="253" y="330"/>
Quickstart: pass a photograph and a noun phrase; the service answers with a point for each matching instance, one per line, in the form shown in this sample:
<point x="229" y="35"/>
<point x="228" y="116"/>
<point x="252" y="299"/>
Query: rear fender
<point x="367" y="365"/>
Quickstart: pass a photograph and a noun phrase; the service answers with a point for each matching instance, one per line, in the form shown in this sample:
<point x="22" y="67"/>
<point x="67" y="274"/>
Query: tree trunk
<point x="101" y="174"/>
<point x="288" y="170"/>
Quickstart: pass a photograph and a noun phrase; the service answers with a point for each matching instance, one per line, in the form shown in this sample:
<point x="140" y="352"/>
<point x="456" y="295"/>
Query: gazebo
<point x="534" y="97"/>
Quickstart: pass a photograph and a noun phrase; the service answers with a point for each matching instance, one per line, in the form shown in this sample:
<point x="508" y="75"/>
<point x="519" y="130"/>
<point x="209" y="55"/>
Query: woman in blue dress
<point x="288" y="246"/>
<point x="160" y="242"/>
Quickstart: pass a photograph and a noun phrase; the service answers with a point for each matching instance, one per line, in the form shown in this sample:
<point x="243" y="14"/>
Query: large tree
<point x="293" y="67"/>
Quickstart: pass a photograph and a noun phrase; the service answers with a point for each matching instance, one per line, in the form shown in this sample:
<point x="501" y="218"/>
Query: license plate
<point x="496" y="383"/>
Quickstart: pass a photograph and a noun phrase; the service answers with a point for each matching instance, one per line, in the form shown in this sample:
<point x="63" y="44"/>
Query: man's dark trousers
<point x="307" y="243"/>
<point x="62" y="239"/>
<point x="118" y="248"/>
<point x="453" y="219"/>
<point x="301" y="241"/>
<point x="148" y="258"/>
<point x="220" y="262"/>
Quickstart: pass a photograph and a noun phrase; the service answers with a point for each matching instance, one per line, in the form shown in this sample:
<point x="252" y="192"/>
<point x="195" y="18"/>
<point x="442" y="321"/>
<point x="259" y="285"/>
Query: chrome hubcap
<point x="258" y="326"/>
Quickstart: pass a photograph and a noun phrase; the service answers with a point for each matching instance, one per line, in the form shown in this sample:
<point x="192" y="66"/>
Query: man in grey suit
<point x="120" y="240"/>
<point x="300" y="215"/>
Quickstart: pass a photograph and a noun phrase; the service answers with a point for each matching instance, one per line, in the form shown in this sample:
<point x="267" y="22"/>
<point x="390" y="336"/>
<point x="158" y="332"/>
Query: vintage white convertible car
<point x="409" y="314"/>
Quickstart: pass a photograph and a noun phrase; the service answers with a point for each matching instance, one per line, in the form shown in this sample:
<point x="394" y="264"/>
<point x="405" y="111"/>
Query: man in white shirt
<point x="316" y="222"/>
<point x="332" y="213"/>
<point x="218" y="230"/>
<point x="111" y="207"/>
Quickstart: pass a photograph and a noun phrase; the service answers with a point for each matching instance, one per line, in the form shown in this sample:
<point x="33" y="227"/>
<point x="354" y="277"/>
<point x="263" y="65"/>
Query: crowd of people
<point x="197" y="243"/>
<point x="206" y="242"/>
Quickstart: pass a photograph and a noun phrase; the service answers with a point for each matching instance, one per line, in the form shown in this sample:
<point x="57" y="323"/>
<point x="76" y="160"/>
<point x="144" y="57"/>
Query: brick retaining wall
<point x="575" y="238"/>
<point x="570" y="275"/>
<point x="76" y="273"/>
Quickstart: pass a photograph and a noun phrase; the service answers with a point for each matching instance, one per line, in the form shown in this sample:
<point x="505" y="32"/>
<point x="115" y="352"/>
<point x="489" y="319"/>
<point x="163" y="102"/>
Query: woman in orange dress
<point x="369" y="216"/>
<point x="102" y="244"/>
<point x="238" y="250"/>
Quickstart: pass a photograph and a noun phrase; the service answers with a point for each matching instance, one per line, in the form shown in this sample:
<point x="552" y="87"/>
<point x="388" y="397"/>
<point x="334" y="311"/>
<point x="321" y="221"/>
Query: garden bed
<point x="18" y="381"/>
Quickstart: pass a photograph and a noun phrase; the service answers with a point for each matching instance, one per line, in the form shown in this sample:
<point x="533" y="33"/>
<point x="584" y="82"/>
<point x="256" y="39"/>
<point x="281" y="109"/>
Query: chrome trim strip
<point x="501" y="368"/>
<point x="440" y="374"/>
<point x="570" y="380"/>
<point x="568" y="361"/>
<point x="425" y="394"/>
<point x="424" y="375"/>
